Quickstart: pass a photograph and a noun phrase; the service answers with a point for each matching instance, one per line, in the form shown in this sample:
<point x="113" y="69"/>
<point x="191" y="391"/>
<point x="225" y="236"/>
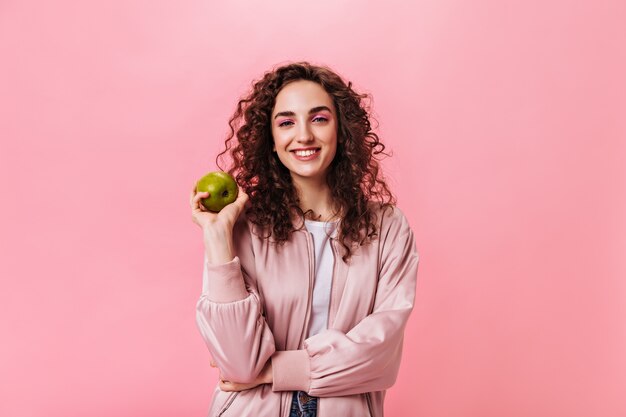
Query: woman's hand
<point x="217" y="227"/>
<point x="265" y="377"/>
<point x="224" y="220"/>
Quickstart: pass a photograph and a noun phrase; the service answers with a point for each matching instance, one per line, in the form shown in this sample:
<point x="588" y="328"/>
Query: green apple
<point x="222" y="188"/>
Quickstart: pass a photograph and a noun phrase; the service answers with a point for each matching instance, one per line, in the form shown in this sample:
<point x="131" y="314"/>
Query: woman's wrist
<point x="218" y="246"/>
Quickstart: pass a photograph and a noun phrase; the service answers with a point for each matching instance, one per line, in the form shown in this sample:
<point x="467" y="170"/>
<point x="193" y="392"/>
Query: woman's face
<point x="304" y="128"/>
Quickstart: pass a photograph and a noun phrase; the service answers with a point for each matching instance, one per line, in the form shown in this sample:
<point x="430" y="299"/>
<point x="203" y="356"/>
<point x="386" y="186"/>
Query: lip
<point x="305" y="149"/>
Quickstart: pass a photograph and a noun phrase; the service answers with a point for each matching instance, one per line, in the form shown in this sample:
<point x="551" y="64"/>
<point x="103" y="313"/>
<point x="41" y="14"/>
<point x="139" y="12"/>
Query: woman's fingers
<point x="241" y="200"/>
<point x="194" y="200"/>
<point x="242" y="195"/>
<point x="223" y="382"/>
<point x="193" y="193"/>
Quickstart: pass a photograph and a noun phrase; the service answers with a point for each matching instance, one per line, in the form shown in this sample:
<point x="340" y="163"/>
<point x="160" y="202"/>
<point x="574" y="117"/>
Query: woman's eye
<point x="320" y="118"/>
<point x="284" y="123"/>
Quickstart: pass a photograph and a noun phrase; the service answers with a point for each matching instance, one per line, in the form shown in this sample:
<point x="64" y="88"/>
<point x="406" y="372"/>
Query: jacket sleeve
<point x="229" y="313"/>
<point x="367" y="357"/>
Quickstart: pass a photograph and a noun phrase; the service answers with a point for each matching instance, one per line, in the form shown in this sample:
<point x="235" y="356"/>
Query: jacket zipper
<point x="332" y="278"/>
<point x="309" y="244"/>
<point x="229" y="401"/>
<point x="330" y="302"/>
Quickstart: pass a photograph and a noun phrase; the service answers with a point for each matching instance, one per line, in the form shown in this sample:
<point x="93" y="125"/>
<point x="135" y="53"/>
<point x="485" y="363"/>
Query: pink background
<point x="507" y="123"/>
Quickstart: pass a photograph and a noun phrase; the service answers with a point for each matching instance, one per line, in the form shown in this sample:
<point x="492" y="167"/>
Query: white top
<point x="324" y="260"/>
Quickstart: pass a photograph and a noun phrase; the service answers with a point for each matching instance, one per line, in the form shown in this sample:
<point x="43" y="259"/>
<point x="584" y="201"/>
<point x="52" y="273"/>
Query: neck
<point x="315" y="195"/>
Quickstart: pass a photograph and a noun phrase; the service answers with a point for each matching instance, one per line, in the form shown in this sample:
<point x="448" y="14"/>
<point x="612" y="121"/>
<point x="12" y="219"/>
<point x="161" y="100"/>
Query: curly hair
<point x="354" y="176"/>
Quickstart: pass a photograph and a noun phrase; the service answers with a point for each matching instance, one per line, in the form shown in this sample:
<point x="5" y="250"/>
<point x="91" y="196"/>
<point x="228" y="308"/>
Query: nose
<point x="304" y="133"/>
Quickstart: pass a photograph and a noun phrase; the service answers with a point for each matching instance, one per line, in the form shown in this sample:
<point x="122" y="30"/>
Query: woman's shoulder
<point x="387" y="215"/>
<point x="396" y="234"/>
<point x="387" y="218"/>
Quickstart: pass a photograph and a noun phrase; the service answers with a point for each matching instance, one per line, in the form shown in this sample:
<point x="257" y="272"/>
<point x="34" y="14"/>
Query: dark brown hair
<point x="354" y="177"/>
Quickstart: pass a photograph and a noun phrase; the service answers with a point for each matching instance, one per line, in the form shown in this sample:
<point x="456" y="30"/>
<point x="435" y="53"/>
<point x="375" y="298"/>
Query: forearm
<point x="265" y="377"/>
<point x="333" y="363"/>
<point x="239" y="339"/>
<point x="230" y="318"/>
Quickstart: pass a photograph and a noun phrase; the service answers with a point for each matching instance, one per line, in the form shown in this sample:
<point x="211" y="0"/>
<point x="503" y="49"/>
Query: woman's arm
<point x="265" y="377"/>
<point x="367" y="357"/>
<point x="230" y="318"/>
<point x="229" y="312"/>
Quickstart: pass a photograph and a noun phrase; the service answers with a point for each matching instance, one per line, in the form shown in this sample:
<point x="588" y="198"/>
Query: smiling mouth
<point x="307" y="152"/>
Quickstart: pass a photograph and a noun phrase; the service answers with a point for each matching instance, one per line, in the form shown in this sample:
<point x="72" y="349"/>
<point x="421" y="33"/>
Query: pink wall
<point x="507" y="123"/>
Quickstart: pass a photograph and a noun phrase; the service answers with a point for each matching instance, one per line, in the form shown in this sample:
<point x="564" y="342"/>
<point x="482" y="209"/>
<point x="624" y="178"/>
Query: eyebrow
<point x="313" y="110"/>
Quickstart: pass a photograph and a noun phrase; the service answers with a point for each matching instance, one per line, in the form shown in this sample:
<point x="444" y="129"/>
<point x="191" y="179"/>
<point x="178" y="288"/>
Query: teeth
<point x="306" y="153"/>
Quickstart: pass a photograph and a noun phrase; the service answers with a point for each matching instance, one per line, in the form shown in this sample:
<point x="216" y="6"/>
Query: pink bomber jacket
<point x="256" y="308"/>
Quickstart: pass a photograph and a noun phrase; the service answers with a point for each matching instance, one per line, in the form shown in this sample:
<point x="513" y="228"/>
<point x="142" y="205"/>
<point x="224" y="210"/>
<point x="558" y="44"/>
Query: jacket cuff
<point x="225" y="282"/>
<point x="291" y="370"/>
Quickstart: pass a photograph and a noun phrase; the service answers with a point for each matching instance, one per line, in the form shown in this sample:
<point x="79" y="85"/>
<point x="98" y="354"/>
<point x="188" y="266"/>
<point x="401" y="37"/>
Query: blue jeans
<point x="303" y="405"/>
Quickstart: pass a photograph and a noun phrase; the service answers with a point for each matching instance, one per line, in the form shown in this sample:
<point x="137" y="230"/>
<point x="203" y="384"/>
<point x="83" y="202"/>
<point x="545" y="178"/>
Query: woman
<point x="309" y="276"/>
